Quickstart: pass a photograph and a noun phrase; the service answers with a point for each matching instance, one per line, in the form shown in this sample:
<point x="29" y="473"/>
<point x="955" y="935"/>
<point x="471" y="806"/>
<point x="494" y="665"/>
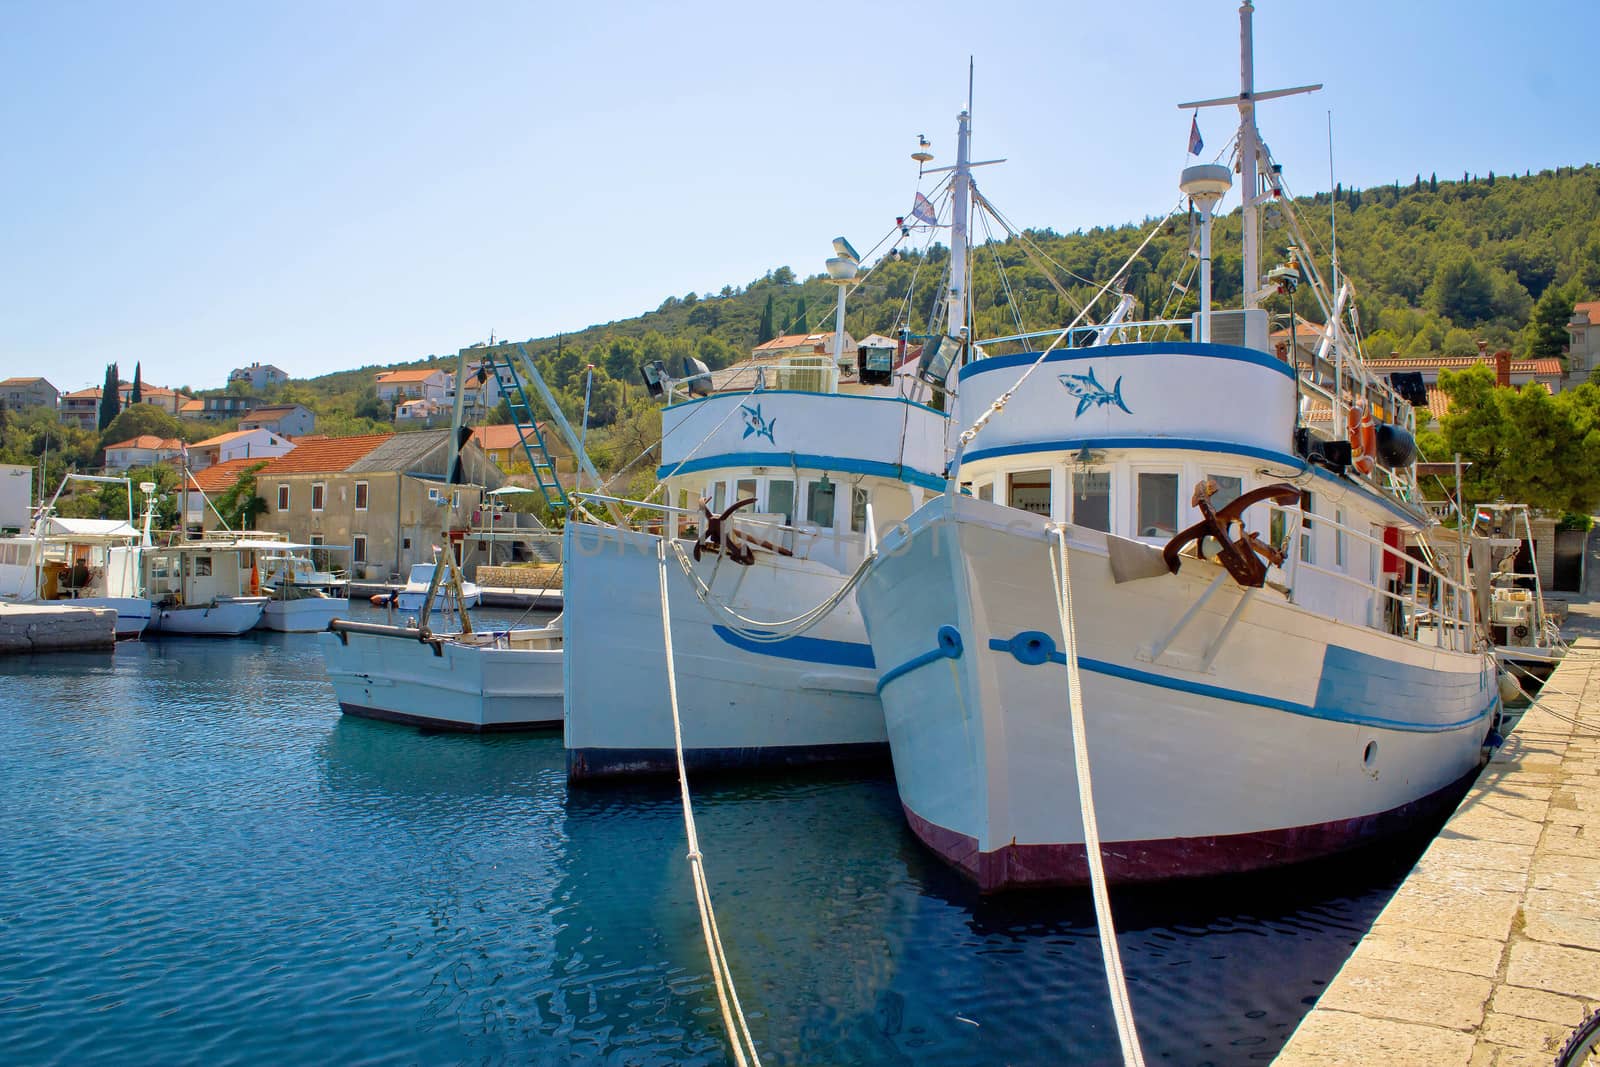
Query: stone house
<point x="143" y="451"/>
<point x="16" y="394"/>
<point x="287" y="420"/>
<point x="258" y="375"/>
<point x="240" y="444"/>
<point x="400" y="385"/>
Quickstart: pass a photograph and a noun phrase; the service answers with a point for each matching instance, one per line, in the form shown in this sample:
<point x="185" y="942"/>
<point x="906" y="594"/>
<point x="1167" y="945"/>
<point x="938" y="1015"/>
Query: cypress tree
<point x="764" y="333"/>
<point x="110" y="396"/>
<point x="800" y="315"/>
<point x="1433" y="182"/>
<point x="136" y="395"/>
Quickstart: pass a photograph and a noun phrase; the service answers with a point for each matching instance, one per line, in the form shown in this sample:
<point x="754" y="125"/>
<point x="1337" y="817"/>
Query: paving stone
<point x="1555" y="968"/>
<point x="1456" y="851"/>
<point x="1537" y="1004"/>
<point x="1487" y="825"/>
<point x="1432" y="948"/>
<point x="1572" y="840"/>
<point x="1551" y="919"/>
<point x="1448" y="908"/>
<point x="1408" y="993"/>
<point x="1326" y="1038"/>
<point x="1529" y="1035"/>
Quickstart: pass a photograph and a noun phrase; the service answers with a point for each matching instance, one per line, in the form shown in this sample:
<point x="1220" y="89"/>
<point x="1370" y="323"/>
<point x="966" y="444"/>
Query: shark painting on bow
<point x="755" y="424"/>
<point x="1091" y="394"/>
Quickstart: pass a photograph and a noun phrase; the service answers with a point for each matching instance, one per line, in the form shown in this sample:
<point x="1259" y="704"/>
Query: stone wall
<point x="535" y="577"/>
<point x="26" y="628"/>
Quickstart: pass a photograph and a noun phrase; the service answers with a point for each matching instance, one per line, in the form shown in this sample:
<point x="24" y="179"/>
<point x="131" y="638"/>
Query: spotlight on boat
<point x="147" y="488"/>
<point x="841" y="268"/>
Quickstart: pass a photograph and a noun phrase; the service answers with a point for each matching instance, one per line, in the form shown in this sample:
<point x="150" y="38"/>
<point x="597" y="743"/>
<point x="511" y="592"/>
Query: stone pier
<point x="28" y="628"/>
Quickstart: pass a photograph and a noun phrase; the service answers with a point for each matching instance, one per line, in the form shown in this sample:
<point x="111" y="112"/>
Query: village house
<point x="412" y="413"/>
<point x="240" y="444"/>
<point x="143" y="451"/>
<point x="1508" y="371"/>
<point x="258" y="376"/>
<point x="168" y="400"/>
<point x="502" y="443"/>
<point x="18" y="394"/>
<point x="81" y="408"/>
<point x="397" y="385"/>
<point x="1583" y="349"/>
<point x="220" y="408"/>
<point x="287" y="420"/>
<point x="384" y="497"/>
<point x="480" y="392"/>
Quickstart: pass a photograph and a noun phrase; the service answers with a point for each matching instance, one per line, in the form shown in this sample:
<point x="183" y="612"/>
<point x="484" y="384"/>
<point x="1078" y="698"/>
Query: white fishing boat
<point x="85" y="562"/>
<point x="202" y="588"/>
<point x="777" y="485"/>
<point x="476" y="681"/>
<point x="302" y="598"/>
<point x="1527" y="641"/>
<point x="1265" y="675"/>
<point x="411" y="598"/>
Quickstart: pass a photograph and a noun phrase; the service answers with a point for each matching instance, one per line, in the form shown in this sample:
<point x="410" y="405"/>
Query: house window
<point x="319" y="491"/>
<point x="1030" y="491"/>
<point x="819" y="502"/>
<point x="780" y="498"/>
<point x="455" y="499"/>
<point x="1091" y="499"/>
<point x="858" y="509"/>
<point x="405" y="543"/>
<point x="1158" y="504"/>
<point x="1338" y="538"/>
<point x="745" y="490"/>
<point x="1307" y="537"/>
<point x="318" y="558"/>
<point x="358" y="548"/>
<point x="283" y="498"/>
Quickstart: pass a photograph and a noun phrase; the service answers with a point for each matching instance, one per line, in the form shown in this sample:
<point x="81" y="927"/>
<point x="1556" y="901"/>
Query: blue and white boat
<point x="777" y="485"/>
<point x="1247" y="703"/>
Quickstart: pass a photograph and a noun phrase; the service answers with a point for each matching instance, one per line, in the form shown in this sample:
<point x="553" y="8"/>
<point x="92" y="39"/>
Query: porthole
<point x="1369" y="758"/>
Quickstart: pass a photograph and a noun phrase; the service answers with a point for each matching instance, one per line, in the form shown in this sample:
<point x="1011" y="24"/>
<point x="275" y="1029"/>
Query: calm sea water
<point x="202" y="861"/>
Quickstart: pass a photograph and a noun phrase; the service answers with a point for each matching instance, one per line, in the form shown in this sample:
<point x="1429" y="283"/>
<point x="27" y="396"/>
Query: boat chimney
<point x="1205" y="184"/>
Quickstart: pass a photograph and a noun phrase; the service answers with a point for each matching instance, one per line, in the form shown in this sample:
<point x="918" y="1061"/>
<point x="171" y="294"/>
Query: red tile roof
<point x="1547" y="367"/>
<point x="151" y="441"/>
<point x="1590" y="308"/>
<point x="325" y="455"/>
<point x="407" y="375"/>
<point x="219" y="477"/>
<point x="21" y="381"/>
<point x="795" y="340"/>
<point x="222" y="438"/>
<point x="497" y="438"/>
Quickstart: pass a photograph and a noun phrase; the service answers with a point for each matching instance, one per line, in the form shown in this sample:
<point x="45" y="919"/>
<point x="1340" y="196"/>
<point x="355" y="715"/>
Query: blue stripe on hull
<point x="586" y="764"/>
<point x="804" y="649"/>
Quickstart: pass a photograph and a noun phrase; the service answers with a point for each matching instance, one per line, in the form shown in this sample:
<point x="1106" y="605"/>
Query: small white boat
<point x="90" y="563"/>
<point x="416" y="591"/>
<point x="480" y="681"/>
<point x="201" y="588"/>
<point x="303" y="598"/>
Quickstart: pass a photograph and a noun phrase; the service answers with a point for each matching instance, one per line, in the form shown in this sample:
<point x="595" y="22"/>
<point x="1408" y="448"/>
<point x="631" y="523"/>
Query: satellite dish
<point x="697" y="376"/>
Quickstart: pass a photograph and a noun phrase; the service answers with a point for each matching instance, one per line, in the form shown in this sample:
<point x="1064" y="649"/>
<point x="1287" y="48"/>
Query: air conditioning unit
<point x="1239" y="327"/>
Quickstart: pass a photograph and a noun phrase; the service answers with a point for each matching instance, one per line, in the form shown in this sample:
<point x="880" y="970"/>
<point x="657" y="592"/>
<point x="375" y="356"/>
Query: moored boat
<point x="410" y="599"/>
<point x="302" y="599"/>
<point x="1266" y="676"/>
<point x="201" y="588"/>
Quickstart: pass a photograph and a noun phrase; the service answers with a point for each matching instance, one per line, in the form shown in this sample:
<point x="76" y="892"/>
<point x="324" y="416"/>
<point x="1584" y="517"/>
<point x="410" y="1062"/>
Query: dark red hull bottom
<point x="1025" y="866"/>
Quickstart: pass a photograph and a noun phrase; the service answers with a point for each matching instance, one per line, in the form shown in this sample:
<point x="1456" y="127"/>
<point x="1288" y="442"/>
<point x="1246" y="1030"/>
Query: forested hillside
<point x="1437" y="265"/>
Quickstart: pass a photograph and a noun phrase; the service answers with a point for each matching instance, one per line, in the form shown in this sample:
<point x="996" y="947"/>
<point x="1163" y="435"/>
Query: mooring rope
<point x="1111" y="955"/>
<point x="739" y="1039"/>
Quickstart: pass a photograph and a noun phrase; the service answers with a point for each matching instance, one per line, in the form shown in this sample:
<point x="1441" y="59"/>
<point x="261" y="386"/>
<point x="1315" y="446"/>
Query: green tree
<point x="239" y="505"/>
<point x="110" y="397"/>
<point x="765" y="332"/>
<point x="136" y="395"/>
<point x="1546" y="332"/>
<point x="800" y="325"/>
<point x="369" y="406"/>
<point x="1462" y="290"/>
<point x="138" y="419"/>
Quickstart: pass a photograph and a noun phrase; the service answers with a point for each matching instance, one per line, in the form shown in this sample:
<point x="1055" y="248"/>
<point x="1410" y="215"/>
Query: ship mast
<point x="960" y="197"/>
<point x="1249" y="147"/>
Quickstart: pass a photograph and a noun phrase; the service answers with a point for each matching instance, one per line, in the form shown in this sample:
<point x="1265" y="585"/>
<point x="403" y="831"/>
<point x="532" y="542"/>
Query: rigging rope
<point x="739" y="1038"/>
<point x="1111" y="955"/>
<point x="769" y="632"/>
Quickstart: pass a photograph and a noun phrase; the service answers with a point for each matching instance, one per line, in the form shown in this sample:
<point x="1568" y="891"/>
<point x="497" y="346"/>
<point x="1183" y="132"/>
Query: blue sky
<point x="323" y="186"/>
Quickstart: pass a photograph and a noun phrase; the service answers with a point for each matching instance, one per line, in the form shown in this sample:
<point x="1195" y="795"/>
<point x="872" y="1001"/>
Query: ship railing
<point x="1437" y="600"/>
<point x="1085" y="336"/>
<point x="658" y="518"/>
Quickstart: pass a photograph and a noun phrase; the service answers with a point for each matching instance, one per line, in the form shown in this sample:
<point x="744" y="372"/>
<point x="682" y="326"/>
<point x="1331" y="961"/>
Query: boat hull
<point x="411" y="602"/>
<point x="443" y="684"/>
<point x="304" y="616"/>
<point x="223" y="617"/>
<point x="743" y="704"/>
<point x="1301" y="736"/>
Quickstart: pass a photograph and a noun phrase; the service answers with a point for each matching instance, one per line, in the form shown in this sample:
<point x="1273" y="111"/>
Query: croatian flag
<point x="922" y="210"/>
<point x="1195" y="143"/>
<point x="1485" y="515"/>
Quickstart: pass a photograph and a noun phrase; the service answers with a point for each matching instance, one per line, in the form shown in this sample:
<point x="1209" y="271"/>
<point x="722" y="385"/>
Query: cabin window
<point x="455" y="499"/>
<point x="202" y="567"/>
<point x="1158" y="504"/>
<point x="283" y="498"/>
<point x="1230" y="487"/>
<point x="858" y="509"/>
<point x="745" y="489"/>
<point x="780" y="498"/>
<point x="319" y="492"/>
<point x="1278" y="528"/>
<point x="719" y="497"/>
<point x="1338" y="538"/>
<point x="358" y="548"/>
<point x="986" y="491"/>
<point x="819" y="502"/>
<point x="1091" y="499"/>
<point x="361" y="496"/>
<point x="1029" y="491"/>
<point x="405" y="543"/>
<point x="1308" y="548"/>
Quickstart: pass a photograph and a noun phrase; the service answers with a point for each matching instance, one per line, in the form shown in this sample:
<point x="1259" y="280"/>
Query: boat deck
<point x="1489" y="952"/>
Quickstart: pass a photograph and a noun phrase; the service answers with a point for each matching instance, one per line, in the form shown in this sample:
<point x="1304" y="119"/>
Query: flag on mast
<point x="922" y="210"/>
<point x="1195" y="143"/>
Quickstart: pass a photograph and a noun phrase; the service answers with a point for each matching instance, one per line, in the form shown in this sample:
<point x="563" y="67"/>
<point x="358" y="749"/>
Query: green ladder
<point x="499" y="359"/>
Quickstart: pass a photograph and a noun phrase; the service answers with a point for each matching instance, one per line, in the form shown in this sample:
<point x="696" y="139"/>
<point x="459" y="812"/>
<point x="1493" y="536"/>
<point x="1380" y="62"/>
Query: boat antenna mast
<point x="1249" y="148"/>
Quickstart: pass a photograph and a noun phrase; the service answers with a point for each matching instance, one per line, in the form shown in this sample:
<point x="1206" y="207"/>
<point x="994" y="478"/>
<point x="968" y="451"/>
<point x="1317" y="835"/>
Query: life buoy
<point x="1363" y="436"/>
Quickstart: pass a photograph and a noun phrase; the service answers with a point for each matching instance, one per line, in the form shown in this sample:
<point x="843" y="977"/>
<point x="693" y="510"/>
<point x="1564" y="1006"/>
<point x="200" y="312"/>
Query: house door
<point x="1569" y="561"/>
